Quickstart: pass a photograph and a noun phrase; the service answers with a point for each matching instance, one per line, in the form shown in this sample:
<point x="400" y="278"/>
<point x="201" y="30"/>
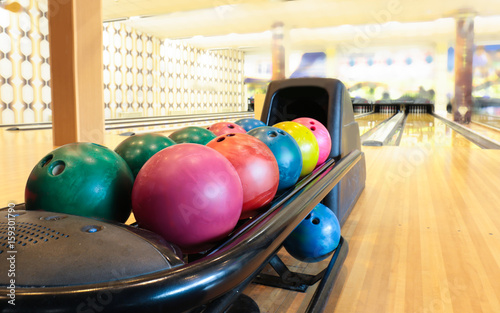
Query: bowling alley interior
<point x="273" y="156"/>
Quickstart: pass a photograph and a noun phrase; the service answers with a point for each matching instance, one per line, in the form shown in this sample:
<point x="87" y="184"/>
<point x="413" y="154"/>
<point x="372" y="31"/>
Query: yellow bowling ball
<point x="307" y="143"/>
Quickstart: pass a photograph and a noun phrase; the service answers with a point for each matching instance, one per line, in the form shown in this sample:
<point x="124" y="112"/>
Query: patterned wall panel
<point x="24" y="64"/>
<point x="152" y="77"/>
<point x="143" y="75"/>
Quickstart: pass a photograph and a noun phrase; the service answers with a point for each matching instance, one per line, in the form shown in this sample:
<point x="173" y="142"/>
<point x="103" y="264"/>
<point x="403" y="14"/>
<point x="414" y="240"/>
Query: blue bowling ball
<point x="285" y="150"/>
<point x="249" y="123"/>
<point x="316" y="237"/>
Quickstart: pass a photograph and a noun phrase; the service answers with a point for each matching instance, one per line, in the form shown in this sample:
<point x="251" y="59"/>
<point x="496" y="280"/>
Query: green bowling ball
<point x="136" y="150"/>
<point x="83" y="179"/>
<point x="192" y="134"/>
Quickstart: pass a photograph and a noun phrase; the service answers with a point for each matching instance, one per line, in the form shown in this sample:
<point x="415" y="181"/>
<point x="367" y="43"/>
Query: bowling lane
<point x="485" y="131"/>
<point x="425" y="129"/>
<point x="369" y="121"/>
<point x="489" y="120"/>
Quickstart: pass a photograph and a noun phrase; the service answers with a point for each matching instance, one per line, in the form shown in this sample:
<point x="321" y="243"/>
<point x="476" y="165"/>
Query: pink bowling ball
<point x="322" y="137"/>
<point x="223" y="128"/>
<point x="189" y="194"/>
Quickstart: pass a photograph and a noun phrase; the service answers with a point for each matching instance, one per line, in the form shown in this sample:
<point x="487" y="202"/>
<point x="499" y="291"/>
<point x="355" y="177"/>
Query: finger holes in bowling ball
<point x="272" y="134"/>
<point x="313" y="128"/>
<point x="281" y="132"/>
<point x="230" y="126"/>
<point x="308" y="216"/>
<point x="92" y="229"/>
<point x="47" y="160"/>
<point x="57" y="168"/>
<point x="229" y="135"/>
<point x="315" y="221"/>
<point x="311" y="122"/>
<point x="220" y="139"/>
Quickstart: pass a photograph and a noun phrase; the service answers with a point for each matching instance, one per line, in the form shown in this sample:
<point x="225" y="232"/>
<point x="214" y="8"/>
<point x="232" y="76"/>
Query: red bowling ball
<point x="189" y="194"/>
<point x="322" y="136"/>
<point x="223" y="128"/>
<point x="256" y="166"/>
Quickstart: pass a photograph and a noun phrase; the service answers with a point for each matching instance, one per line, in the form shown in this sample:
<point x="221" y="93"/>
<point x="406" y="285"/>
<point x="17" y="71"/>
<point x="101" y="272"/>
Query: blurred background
<point x="187" y="57"/>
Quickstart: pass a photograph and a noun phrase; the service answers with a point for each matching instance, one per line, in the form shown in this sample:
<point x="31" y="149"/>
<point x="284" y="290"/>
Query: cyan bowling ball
<point x="83" y="179"/>
<point x="249" y="123"/>
<point x="316" y="237"/>
<point x="192" y="134"/>
<point x="285" y="150"/>
<point x="136" y="150"/>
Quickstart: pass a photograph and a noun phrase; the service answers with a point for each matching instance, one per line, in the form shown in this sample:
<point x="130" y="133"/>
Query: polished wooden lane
<point x="425" y="129"/>
<point x="367" y="122"/>
<point x="488" y="132"/>
<point x="423" y="237"/>
<point x="491" y="120"/>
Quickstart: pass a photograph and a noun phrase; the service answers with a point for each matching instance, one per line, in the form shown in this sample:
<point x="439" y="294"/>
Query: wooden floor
<point x="423" y="237"/>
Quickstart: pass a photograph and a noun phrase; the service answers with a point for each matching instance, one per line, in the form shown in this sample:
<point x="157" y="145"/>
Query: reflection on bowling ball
<point x="285" y="150"/>
<point x="223" y="128"/>
<point x="189" y="194"/>
<point x="322" y="137"/>
<point x="307" y="143"/>
<point x="256" y="166"/>
<point x="249" y="123"/>
<point x="83" y="179"/>
<point x="316" y="237"/>
<point x="192" y="134"/>
<point x="136" y="150"/>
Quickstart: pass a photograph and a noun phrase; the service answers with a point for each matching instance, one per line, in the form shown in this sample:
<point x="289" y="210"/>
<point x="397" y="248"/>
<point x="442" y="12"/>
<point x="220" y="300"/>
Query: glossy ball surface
<point x="137" y="149"/>
<point x="190" y="195"/>
<point x="322" y="137"/>
<point x="83" y="179"/>
<point x="249" y="123"/>
<point x="285" y="150"/>
<point x="256" y="167"/>
<point x="192" y="134"/>
<point x="307" y="143"/>
<point x="316" y="237"/>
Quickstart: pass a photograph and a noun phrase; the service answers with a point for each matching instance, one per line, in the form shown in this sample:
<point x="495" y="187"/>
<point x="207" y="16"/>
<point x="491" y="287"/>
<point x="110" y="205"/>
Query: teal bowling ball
<point x="192" y="134"/>
<point x="249" y="123"/>
<point x="83" y="179"/>
<point x="285" y="150"/>
<point x="316" y="237"/>
<point x="137" y="149"/>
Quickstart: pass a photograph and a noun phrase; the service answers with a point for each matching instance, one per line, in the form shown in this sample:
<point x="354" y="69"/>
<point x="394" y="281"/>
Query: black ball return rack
<point x="212" y="281"/>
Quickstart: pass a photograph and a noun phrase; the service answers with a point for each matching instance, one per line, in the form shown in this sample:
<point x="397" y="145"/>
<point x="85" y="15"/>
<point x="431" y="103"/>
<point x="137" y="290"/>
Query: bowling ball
<point x="285" y="150"/>
<point x="223" y="128"/>
<point x="189" y="194"/>
<point x="249" y="123"/>
<point x="322" y="136"/>
<point x="192" y="134"/>
<point x="256" y="166"/>
<point x="307" y="143"/>
<point x="83" y="179"/>
<point x="136" y="150"/>
<point x="316" y="237"/>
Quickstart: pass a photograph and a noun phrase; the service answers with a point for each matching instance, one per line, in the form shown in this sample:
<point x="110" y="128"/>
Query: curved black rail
<point x="225" y="269"/>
